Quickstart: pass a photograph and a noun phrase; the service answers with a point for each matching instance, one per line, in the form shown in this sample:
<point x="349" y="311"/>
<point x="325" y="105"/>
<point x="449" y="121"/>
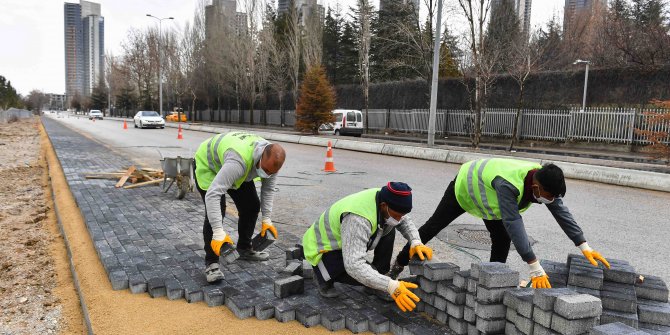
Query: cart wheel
<point x="182" y="187"/>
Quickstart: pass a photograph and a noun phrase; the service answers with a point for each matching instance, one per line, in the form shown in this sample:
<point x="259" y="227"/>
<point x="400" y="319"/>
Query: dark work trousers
<point x="248" y="205"/>
<point x="334" y="263"/>
<point x="446" y="212"/>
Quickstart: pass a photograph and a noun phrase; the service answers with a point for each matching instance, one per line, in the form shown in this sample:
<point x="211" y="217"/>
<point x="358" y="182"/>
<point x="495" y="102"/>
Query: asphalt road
<point x="622" y="223"/>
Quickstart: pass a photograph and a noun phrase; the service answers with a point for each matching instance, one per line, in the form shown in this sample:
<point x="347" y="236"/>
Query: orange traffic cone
<point x="179" y="134"/>
<point x="330" y="163"/>
<point x="125" y="125"/>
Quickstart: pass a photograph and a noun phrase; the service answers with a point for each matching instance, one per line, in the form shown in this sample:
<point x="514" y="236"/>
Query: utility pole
<point x="436" y="68"/>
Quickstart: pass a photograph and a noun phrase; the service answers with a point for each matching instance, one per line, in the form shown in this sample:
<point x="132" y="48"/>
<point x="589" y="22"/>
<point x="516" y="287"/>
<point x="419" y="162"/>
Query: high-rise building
<point x="575" y="8"/>
<point x="386" y="4"/>
<point x="304" y="7"/>
<point x="84" y="41"/>
<point x="521" y="8"/>
<point x="224" y="12"/>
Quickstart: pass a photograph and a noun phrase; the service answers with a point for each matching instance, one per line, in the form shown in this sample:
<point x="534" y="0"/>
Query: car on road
<point x="95" y="114"/>
<point x="148" y="119"/>
<point x="347" y="122"/>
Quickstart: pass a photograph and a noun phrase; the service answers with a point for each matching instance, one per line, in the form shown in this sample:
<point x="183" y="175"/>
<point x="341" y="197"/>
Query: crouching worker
<point x="337" y="243"/>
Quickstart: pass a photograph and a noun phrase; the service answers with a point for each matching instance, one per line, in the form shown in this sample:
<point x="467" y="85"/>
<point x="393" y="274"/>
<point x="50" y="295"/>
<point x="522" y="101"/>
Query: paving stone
<point x="420" y="306"/>
<point x="475" y="267"/>
<point x="292" y="253"/>
<point x="213" y="296"/>
<point x="377" y="323"/>
<point x="588" y="277"/>
<point x="265" y="310"/>
<point x="652" y="288"/>
<point x="455" y="310"/>
<point x="425" y="296"/>
<point x="493" y="326"/>
<point x="620" y="272"/>
<point x="356" y="322"/>
<point x="307" y="315"/>
<point x="545" y="298"/>
<point x="654" y="329"/>
<point x="584" y="290"/>
<point x="439" y="271"/>
<point x="579" y="306"/>
<point x="174" y="289"/>
<point x="524" y="325"/>
<point x="461" y="279"/>
<point x="192" y="292"/>
<point x="458" y="326"/>
<point x="332" y="319"/>
<point x="616" y="328"/>
<point x="442" y="317"/>
<point x="427" y="285"/>
<point x="156" y="287"/>
<point x="617" y="301"/>
<point x="511" y="315"/>
<point x="451" y="293"/>
<point x="490" y="311"/>
<point x="490" y="295"/>
<point x="119" y="280"/>
<point x="137" y="283"/>
<point x="510" y="329"/>
<point x="260" y="243"/>
<point x="416" y="267"/>
<point x="520" y="300"/>
<point x="229" y="255"/>
<point x="653" y="312"/>
<point x="542" y="317"/>
<point x="284" y="312"/>
<point x="472" y="329"/>
<point x="430" y="310"/>
<point x="307" y="270"/>
<point x="498" y="276"/>
<point x="286" y="287"/>
<point x="469" y="314"/>
<point x="472" y="285"/>
<point x="440" y="303"/>
<point x="241" y="305"/>
<point x="293" y="269"/>
<point x="609" y="316"/>
<point x="573" y="327"/>
<point x="470" y="300"/>
<point x="539" y="329"/>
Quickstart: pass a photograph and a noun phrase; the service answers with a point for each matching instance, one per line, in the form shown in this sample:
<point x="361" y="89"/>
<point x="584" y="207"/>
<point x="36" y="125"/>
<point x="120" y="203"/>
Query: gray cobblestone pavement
<point x="149" y="242"/>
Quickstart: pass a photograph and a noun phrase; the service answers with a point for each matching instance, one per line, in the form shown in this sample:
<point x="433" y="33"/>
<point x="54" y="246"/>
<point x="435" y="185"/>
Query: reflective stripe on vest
<point x="324" y="234"/>
<point x="209" y="156"/>
<point x="473" y="184"/>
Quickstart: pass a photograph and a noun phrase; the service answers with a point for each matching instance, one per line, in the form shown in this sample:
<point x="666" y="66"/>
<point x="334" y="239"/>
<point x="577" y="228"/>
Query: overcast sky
<point x="31" y="32"/>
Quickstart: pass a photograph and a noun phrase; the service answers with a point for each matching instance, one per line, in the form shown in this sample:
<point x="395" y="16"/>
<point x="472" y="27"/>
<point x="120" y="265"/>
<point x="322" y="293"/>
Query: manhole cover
<point x="472" y="236"/>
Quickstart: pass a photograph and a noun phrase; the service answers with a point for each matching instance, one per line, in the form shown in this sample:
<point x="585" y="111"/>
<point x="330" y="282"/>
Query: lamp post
<point x="160" y="59"/>
<point x="586" y="80"/>
<point x="436" y="68"/>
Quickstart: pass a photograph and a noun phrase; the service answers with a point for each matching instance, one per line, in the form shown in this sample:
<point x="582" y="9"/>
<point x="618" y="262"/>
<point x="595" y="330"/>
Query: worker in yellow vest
<point x="229" y="164"/>
<point x="337" y="242"/>
<point x="498" y="190"/>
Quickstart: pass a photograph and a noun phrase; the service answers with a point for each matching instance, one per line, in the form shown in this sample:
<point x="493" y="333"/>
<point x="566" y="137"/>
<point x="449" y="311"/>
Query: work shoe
<point x="213" y="273"/>
<point x="327" y="289"/>
<point x="252" y="255"/>
<point x="395" y="271"/>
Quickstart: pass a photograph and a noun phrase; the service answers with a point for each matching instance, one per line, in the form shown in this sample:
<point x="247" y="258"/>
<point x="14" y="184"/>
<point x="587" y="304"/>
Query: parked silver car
<point x="148" y="119"/>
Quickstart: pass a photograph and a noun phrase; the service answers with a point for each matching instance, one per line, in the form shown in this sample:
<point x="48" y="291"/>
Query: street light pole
<point x="436" y="68"/>
<point x="586" y="80"/>
<point x="160" y="60"/>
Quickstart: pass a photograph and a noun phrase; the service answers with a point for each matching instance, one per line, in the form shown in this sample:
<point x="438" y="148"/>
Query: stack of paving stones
<point x="149" y="242"/>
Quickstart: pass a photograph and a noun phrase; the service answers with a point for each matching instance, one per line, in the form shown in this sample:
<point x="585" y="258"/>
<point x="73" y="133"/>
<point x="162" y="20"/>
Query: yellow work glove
<point x="421" y="250"/>
<point x="399" y="291"/>
<point x="538" y="277"/>
<point x="217" y="244"/>
<point x="593" y="255"/>
<point x="266" y="225"/>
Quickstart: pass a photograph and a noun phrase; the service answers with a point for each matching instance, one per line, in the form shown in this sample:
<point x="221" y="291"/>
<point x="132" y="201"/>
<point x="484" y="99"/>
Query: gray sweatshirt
<point x="511" y="218"/>
<point x="356" y="232"/>
<point x="233" y="168"/>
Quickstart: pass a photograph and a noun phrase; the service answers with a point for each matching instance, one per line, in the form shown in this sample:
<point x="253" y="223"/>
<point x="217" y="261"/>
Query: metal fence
<point x="13" y="112"/>
<point x="611" y="125"/>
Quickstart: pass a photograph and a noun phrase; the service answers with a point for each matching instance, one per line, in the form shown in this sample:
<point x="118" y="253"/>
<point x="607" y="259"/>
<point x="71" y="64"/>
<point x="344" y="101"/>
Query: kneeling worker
<point x="336" y="244"/>
<point x="498" y="190"/>
<point x="229" y="164"/>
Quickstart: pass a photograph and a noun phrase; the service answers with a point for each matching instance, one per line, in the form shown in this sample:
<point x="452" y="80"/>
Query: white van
<point x="347" y="122"/>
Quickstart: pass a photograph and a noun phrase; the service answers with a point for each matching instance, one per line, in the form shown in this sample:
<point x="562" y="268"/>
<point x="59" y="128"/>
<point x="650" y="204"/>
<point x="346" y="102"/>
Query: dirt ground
<point x="37" y="293"/>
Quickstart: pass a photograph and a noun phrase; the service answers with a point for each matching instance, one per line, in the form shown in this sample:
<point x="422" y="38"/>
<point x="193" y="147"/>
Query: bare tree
<point x="292" y="47"/>
<point x="192" y="55"/>
<point x="364" y="14"/>
<point x="312" y="40"/>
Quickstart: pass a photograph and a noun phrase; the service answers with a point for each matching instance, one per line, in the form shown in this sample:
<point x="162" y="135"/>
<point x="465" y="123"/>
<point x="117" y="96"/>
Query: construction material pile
<point x="137" y="177"/>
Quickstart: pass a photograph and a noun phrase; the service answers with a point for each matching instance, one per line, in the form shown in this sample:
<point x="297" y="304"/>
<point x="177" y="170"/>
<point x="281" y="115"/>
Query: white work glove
<point x="538" y="277"/>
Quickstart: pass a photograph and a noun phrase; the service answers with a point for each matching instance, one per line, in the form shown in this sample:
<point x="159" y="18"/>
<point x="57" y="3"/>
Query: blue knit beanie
<point x="398" y="196"/>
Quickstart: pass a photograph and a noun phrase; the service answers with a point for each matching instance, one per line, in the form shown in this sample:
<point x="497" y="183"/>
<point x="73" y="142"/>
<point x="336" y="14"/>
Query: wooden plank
<point x="125" y="176"/>
<point x="102" y="177"/>
<point x="152" y="182"/>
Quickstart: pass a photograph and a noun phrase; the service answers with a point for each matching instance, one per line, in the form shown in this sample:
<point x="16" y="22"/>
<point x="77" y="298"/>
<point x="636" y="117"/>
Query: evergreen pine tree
<point x="316" y="101"/>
